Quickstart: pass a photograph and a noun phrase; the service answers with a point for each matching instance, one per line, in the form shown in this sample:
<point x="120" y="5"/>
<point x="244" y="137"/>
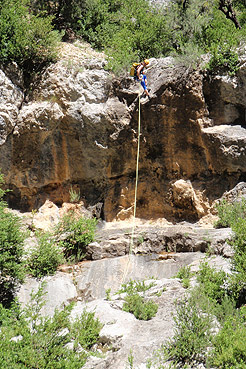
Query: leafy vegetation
<point x="135" y="303"/>
<point x="46" y="257"/>
<point x="26" y="38"/>
<point x="210" y="323"/>
<point x="229" y="345"/>
<point x="139" y="307"/>
<point x="135" y="286"/>
<point x="29" y="340"/>
<point x="126" y="30"/>
<point x="77" y="233"/>
<point x="185" y="275"/>
<point x="11" y="251"/>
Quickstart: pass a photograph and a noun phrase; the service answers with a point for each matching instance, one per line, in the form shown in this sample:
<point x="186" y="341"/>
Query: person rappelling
<point x="138" y="73"/>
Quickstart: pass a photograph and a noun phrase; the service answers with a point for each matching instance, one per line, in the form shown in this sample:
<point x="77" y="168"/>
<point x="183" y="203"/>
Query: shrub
<point x="85" y="329"/>
<point x="223" y="59"/>
<point x="136" y="304"/>
<point x="135" y="286"/>
<point x="239" y="261"/>
<point x="184" y="274"/>
<point x="191" y="334"/>
<point x="25" y="38"/>
<point x="45" y="258"/>
<point x="74" y="234"/>
<point x="42" y="341"/>
<point x="229" y="345"/>
<point x="229" y="213"/>
<point x="74" y="195"/>
<point x="11" y="252"/>
<point x="212" y="282"/>
<point x="141" y="309"/>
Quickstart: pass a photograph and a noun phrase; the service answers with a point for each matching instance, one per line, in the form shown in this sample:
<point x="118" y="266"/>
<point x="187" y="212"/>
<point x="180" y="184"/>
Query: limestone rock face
<point x="79" y="128"/>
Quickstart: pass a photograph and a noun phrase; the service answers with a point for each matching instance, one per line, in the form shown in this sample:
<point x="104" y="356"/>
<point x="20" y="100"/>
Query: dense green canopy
<point x="126" y="30"/>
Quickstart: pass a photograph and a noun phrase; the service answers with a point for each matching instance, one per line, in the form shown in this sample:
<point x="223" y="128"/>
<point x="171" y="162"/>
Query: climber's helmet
<point x="146" y="61"/>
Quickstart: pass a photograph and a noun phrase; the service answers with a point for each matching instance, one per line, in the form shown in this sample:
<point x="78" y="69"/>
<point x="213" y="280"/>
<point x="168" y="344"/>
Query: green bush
<point x="41" y="341"/>
<point x="238" y="285"/>
<point x="67" y="14"/>
<point x="191" y="333"/>
<point x="25" y="38"/>
<point x="223" y="59"/>
<point x="212" y="282"/>
<point x="74" y="234"/>
<point x="185" y="275"/>
<point x="229" y="213"/>
<point x="45" y="258"/>
<point x="229" y="345"/>
<point x="85" y="329"/>
<point x="11" y="251"/>
<point x="135" y="286"/>
<point x="141" y="309"/>
<point x="127" y="30"/>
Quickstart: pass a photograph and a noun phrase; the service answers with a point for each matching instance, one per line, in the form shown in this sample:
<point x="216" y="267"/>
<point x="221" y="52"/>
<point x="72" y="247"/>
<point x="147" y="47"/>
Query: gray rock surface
<point x="122" y="334"/>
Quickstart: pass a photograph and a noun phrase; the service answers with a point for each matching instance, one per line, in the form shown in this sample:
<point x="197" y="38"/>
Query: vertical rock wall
<point x="79" y="128"/>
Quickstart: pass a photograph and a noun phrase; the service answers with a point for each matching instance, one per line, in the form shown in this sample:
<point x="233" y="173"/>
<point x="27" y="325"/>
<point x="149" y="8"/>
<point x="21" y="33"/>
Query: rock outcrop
<point x="122" y="334"/>
<point x="78" y="129"/>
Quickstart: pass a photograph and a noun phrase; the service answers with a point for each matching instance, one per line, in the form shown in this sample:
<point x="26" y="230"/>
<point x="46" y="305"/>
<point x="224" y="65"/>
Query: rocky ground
<point x="159" y="250"/>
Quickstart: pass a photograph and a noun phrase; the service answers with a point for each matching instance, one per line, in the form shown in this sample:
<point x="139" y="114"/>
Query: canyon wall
<point x="78" y="127"/>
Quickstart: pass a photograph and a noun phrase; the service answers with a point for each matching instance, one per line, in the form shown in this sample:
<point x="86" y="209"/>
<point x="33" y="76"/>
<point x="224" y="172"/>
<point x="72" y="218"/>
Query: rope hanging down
<point x="136" y="189"/>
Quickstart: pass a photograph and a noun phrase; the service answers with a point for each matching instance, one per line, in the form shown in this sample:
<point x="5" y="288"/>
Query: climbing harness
<point x="136" y="189"/>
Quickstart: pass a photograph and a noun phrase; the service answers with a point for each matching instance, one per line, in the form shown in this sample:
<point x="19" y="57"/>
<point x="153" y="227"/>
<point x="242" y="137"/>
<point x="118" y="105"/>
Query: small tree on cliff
<point x="11" y="251"/>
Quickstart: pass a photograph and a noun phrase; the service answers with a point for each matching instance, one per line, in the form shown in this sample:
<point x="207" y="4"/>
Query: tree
<point x="66" y="13"/>
<point x="25" y="38"/>
<point x="226" y="7"/>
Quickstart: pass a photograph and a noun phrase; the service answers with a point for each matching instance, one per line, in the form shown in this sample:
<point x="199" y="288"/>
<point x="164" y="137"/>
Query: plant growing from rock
<point x="229" y="213"/>
<point x="136" y="304"/>
<point x="185" y="274"/>
<point x="45" y="257"/>
<point x="73" y="234"/>
<point x="85" y="329"/>
<point x="11" y="251"/>
<point x="29" y="340"/>
<point x="139" y="307"/>
<point x="229" y="345"/>
<point x="74" y="195"/>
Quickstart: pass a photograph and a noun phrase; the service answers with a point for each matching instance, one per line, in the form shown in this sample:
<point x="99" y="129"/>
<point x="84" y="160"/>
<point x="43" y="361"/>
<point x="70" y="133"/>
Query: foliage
<point x="135" y="303"/>
<point x="239" y="261"/>
<point x="76" y="234"/>
<point x="66" y="14"/>
<point x="127" y="30"/>
<point x="133" y="286"/>
<point x="26" y="38"/>
<point x="192" y="333"/>
<point x="85" y="329"/>
<point x="212" y="282"/>
<point x="224" y="59"/>
<point x="45" y="258"/>
<point x="141" y="309"/>
<point x="11" y="252"/>
<point x="229" y="346"/>
<point x="229" y="213"/>
<point x="234" y="215"/>
<point x="185" y="274"/>
<point x="74" y="195"/>
<point x="41" y="342"/>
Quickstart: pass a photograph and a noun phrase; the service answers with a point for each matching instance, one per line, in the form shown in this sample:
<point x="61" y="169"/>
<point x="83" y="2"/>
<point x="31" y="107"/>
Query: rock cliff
<point x="77" y="126"/>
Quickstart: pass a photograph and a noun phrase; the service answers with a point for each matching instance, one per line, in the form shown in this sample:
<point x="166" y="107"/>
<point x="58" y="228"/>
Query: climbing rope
<point x="136" y="189"/>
